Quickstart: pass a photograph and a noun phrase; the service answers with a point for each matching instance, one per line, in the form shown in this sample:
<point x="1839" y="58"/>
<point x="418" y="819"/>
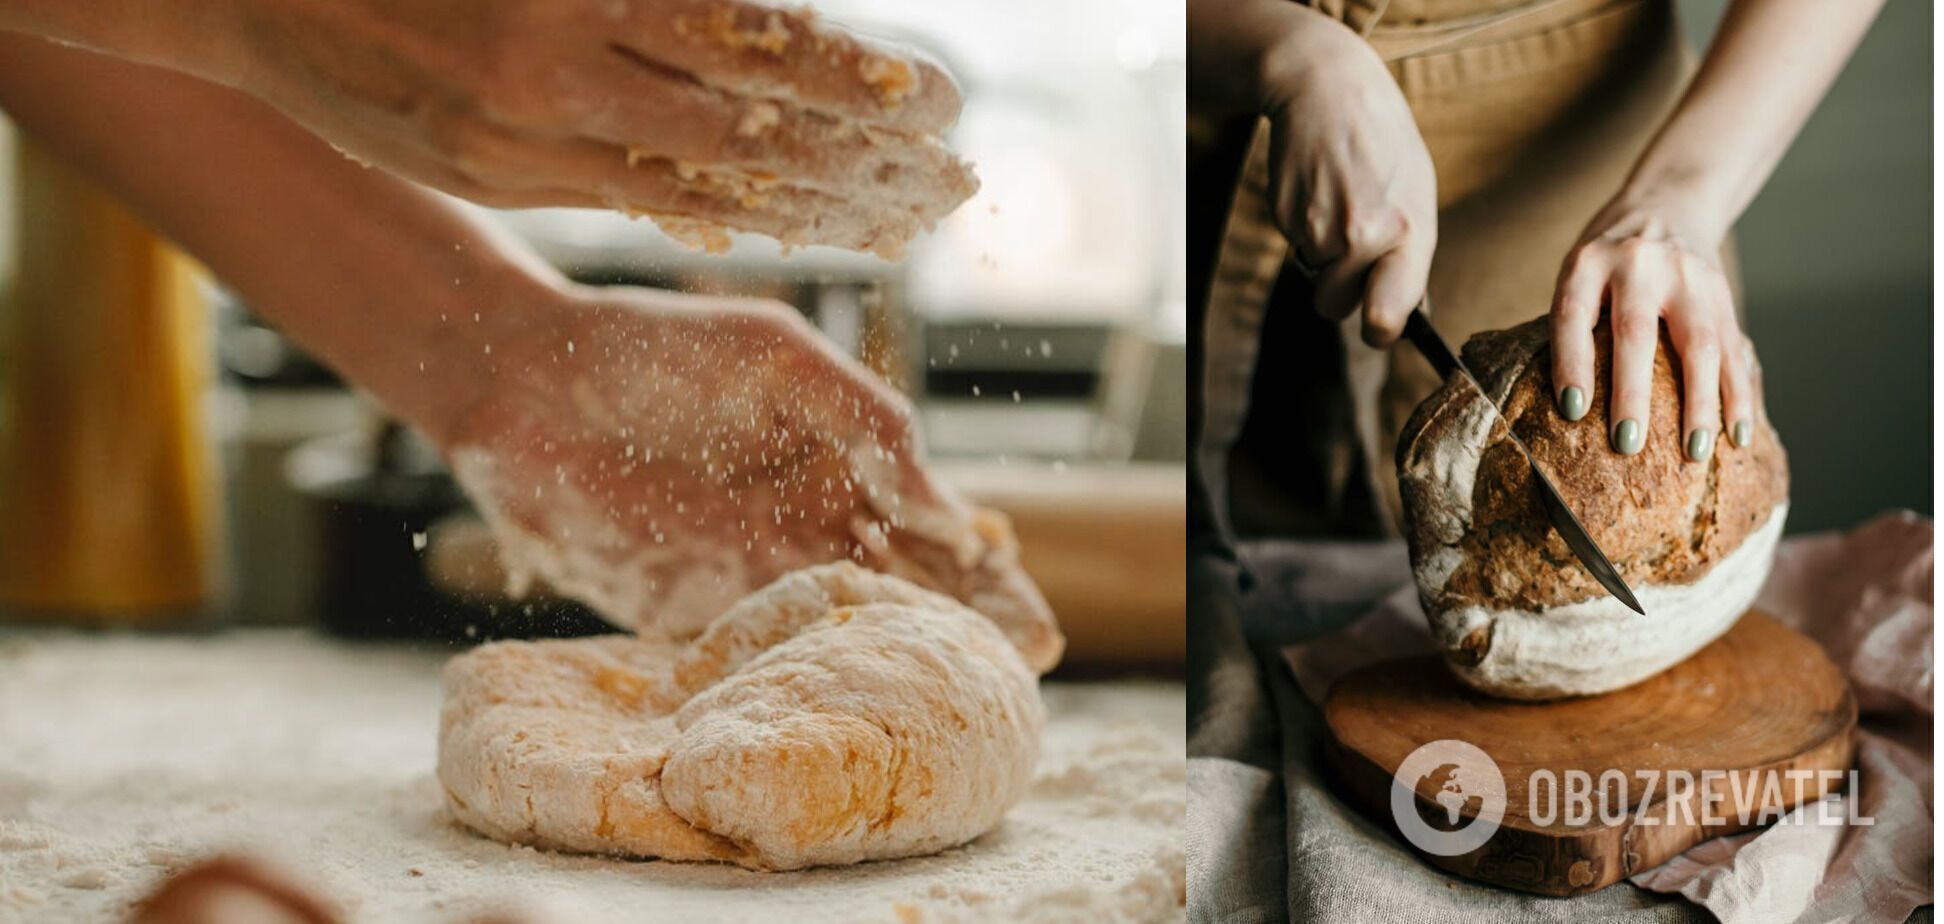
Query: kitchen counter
<point x="128" y="757"/>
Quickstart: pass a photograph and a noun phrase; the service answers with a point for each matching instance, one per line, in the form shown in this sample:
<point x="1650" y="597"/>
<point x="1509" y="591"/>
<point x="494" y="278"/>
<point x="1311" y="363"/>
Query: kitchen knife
<point x="1418" y="331"/>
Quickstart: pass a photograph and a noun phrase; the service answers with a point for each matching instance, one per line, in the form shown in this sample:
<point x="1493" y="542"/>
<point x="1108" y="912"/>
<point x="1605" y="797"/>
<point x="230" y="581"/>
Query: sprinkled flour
<point x="126" y="758"/>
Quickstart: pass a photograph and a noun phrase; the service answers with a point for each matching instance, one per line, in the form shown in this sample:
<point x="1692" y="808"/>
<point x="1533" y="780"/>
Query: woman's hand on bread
<point x="1651" y="254"/>
<point x="1648" y="261"/>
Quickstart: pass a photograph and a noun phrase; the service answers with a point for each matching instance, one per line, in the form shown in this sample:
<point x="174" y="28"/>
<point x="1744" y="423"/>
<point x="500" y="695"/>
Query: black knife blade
<point x="1418" y="330"/>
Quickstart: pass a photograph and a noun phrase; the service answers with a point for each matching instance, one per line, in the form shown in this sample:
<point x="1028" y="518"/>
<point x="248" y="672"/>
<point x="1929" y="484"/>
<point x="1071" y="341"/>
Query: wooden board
<point x="1108" y="546"/>
<point x="1760" y="700"/>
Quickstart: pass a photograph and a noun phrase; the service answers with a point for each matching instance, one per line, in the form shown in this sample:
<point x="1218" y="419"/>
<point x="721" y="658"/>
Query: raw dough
<point x="835" y="716"/>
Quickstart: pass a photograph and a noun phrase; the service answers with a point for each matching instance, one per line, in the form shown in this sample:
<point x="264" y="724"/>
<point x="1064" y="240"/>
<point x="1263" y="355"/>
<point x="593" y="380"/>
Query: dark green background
<point x="1836" y="254"/>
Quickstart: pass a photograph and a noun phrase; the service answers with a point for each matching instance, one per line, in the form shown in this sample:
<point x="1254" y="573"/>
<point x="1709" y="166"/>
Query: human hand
<point x="702" y="113"/>
<point x="1652" y="259"/>
<point x="1352" y="183"/>
<point x="660" y="456"/>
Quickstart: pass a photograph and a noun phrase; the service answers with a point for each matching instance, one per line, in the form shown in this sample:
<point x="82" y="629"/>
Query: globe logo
<point x="1465" y="781"/>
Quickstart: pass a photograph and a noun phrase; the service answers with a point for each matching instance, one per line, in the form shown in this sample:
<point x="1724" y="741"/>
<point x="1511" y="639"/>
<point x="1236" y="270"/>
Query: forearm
<point x="378" y="277"/>
<point x="187" y="35"/>
<point x="1770" y="64"/>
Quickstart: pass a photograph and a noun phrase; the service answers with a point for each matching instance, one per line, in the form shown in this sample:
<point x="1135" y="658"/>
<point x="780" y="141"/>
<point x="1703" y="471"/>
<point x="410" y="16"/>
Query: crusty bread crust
<point x="1481" y="543"/>
<point x="835" y="716"/>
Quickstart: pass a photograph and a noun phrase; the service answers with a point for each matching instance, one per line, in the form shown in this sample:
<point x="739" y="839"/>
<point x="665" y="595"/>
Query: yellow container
<point x="108" y="488"/>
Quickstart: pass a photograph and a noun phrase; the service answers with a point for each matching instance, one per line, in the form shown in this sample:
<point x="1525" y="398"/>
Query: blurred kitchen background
<point x="1039" y="330"/>
<point x="1836" y="257"/>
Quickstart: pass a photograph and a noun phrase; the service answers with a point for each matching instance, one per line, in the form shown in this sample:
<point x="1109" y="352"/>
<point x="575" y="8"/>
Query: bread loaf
<point x="1514" y="613"/>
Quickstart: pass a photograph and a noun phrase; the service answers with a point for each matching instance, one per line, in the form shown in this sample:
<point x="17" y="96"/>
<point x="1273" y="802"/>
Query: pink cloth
<point x="1865" y="596"/>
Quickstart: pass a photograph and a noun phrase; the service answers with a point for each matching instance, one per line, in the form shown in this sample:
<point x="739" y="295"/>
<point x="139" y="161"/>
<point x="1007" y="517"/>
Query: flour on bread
<point x="1599" y="645"/>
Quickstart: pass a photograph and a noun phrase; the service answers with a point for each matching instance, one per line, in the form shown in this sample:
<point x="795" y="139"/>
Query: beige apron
<point x="1534" y="113"/>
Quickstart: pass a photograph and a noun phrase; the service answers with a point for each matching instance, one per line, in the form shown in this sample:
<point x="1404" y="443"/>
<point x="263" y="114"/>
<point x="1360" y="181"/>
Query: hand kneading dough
<point x="835" y="716"/>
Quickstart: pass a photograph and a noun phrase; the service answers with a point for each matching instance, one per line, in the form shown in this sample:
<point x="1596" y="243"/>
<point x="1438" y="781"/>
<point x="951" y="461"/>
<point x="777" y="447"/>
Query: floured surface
<point x="127" y="758"/>
<point x="836" y="716"/>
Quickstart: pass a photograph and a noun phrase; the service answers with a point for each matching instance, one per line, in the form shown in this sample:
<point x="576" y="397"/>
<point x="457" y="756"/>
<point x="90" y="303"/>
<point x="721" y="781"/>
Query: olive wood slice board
<point x="1761" y="699"/>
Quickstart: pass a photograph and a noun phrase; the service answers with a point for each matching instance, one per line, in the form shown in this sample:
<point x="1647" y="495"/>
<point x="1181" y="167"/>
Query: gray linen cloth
<point x="1268" y="838"/>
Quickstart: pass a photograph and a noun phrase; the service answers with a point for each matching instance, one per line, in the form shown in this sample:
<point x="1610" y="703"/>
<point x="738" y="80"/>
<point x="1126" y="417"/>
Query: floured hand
<point x="701" y="113"/>
<point x="661" y="456"/>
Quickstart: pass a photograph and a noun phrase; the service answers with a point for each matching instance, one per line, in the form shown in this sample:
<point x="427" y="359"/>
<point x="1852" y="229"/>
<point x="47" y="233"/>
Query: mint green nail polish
<point x="1627" y="437"/>
<point x="1572" y="403"/>
<point x="1742" y="433"/>
<point x="1700" y="444"/>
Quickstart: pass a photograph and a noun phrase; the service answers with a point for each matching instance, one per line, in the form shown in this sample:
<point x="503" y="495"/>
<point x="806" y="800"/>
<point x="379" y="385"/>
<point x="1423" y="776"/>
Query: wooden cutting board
<point x="1761" y="699"/>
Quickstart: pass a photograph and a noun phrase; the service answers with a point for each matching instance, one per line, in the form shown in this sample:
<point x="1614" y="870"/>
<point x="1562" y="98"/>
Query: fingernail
<point x="1627" y="437"/>
<point x="1572" y="403"/>
<point x="1700" y="444"/>
<point x="1742" y="433"/>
